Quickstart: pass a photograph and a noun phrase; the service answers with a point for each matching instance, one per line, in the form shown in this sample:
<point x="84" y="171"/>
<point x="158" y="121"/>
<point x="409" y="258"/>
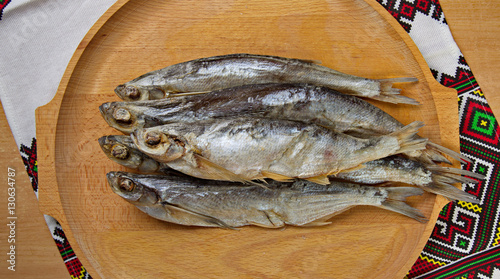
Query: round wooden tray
<point x="113" y="239"/>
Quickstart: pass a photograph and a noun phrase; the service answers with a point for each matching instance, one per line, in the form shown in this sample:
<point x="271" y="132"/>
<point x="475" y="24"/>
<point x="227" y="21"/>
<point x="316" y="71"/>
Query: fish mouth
<point x="102" y="141"/>
<point x="136" y="135"/>
<point x="108" y="111"/>
<point x="106" y="143"/>
<point x="119" y="88"/>
<point x="128" y="92"/>
<point x="113" y="181"/>
<point x="111" y="110"/>
<point x="104" y="108"/>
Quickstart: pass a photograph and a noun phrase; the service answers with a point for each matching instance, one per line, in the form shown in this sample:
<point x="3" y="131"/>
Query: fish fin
<point x="398" y="80"/>
<point x="396" y="202"/>
<point x="395" y="99"/>
<point x="316" y="223"/>
<point x="358" y="167"/>
<point x="407" y="140"/>
<point x="325" y="126"/>
<point x="275" y="220"/>
<point x="220" y="173"/>
<point x="276" y="176"/>
<point x="334" y="172"/>
<point x="181" y="94"/>
<point x="324" y="220"/>
<point x="320" y="179"/>
<point x="312" y="61"/>
<point x="264" y="225"/>
<point x="443" y="178"/>
<point x="385" y="184"/>
<point x="455" y="155"/>
<point x="391" y="95"/>
<point x="445" y="170"/>
<point x="421" y="157"/>
<point x="179" y="212"/>
<point x="455" y="178"/>
<point x="449" y="191"/>
<point x="432" y="156"/>
<point x="263" y="180"/>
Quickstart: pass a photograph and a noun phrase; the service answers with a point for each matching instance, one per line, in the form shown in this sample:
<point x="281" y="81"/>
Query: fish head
<point x="132" y="190"/>
<point x="129" y="92"/>
<point x="160" y="146"/>
<point x="120" y="116"/>
<point x="117" y="149"/>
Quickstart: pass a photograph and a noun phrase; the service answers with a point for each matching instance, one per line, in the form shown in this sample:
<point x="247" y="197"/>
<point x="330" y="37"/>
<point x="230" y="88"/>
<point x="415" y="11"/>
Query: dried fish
<point x="217" y="72"/>
<point x="195" y="202"/>
<point x="300" y="102"/>
<point x="435" y="179"/>
<point x="122" y="150"/>
<point x="243" y="149"/>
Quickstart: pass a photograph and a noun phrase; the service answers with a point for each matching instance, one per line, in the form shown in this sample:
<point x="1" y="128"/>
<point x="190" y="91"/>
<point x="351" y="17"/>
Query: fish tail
<point x="396" y="202"/>
<point x="449" y="191"/>
<point x="443" y="179"/>
<point x="391" y="95"/>
<point x="431" y="156"/>
<point x="395" y="99"/>
<point x="443" y="150"/>
<point x="407" y="140"/>
<point x="458" y="173"/>
<point x="397" y="80"/>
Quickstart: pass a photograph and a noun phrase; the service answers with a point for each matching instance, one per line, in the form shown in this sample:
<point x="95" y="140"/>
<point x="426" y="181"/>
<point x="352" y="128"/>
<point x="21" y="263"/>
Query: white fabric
<point x="434" y="40"/>
<point x="38" y="39"/>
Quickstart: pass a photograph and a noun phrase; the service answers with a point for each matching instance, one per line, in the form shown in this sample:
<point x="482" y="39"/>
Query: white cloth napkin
<point x="38" y="39"/>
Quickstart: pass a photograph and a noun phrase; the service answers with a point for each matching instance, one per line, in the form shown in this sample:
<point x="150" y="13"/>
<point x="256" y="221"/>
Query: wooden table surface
<point x="474" y="26"/>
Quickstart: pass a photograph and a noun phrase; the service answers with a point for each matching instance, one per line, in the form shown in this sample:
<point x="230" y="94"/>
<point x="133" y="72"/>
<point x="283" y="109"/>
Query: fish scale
<point x="434" y="179"/>
<point x="245" y="85"/>
<point x="226" y="146"/>
<point x="299" y="102"/>
<point x="195" y="202"/>
<point x="218" y="72"/>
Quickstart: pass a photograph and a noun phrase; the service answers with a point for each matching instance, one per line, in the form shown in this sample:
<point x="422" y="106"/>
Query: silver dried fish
<point x="243" y="149"/>
<point x="300" y="102"/>
<point x="217" y="72"/>
<point x="122" y="150"/>
<point x="195" y="202"/>
<point x="433" y="178"/>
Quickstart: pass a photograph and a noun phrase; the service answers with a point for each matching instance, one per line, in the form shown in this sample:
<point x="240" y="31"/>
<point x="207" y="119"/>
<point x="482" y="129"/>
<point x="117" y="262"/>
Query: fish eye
<point x="152" y="138"/>
<point x="127" y="185"/>
<point x="132" y="92"/>
<point x="122" y="115"/>
<point x="120" y="151"/>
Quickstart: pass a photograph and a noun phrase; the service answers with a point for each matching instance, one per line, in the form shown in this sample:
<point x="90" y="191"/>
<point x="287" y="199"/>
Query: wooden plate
<point x="113" y="239"/>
